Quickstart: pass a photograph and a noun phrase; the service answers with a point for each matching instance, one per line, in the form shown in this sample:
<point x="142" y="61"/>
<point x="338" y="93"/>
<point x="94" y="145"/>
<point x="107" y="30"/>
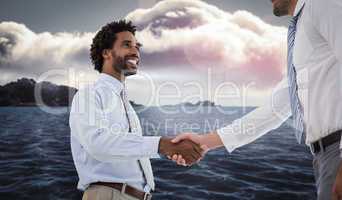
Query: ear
<point x="106" y="53"/>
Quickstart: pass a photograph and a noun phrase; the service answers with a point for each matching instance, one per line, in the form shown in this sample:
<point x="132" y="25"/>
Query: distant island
<point x="200" y="103"/>
<point x="21" y="93"/>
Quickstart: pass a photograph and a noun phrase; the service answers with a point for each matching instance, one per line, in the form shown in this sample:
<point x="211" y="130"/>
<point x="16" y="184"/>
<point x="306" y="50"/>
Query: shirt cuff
<point x="228" y="138"/>
<point x="151" y="146"/>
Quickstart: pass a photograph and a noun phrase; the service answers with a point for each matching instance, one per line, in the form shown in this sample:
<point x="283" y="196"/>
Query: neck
<point x="292" y="7"/>
<point x="110" y="71"/>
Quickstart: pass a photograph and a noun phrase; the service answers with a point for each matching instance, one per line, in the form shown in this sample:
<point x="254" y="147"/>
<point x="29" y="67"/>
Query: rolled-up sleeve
<point x="98" y="134"/>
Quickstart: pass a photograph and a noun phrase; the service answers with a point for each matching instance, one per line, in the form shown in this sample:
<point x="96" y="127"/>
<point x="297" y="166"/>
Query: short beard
<point x="282" y="9"/>
<point x="120" y="65"/>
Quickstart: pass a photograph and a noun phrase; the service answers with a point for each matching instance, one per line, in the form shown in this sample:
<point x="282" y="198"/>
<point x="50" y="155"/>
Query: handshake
<point x="186" y="149"/>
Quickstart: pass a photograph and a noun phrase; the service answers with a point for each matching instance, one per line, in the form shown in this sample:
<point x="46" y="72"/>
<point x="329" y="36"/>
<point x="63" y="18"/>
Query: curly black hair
<point x="105" y="38"/>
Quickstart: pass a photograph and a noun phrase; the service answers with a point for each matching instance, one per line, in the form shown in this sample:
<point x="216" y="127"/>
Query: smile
<point x="132" y="61"/>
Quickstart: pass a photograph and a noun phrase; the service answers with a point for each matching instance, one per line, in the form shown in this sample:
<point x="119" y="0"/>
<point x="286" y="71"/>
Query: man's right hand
<point x="190" y="151"/>
<point x="206" y="141"/>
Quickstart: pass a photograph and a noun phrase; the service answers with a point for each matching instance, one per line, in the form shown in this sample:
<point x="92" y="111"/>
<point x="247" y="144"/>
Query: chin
<point x="277" y="13"/>
<point x="130" y="72"/>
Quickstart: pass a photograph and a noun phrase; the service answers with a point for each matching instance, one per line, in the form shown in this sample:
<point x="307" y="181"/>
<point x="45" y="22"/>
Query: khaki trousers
<point x="99" y="192"/>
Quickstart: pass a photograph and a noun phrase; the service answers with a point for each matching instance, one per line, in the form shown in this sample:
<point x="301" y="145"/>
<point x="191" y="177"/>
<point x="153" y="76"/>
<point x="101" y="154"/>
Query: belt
<point x="124" y="188"/>
<point x="323" y="143"/>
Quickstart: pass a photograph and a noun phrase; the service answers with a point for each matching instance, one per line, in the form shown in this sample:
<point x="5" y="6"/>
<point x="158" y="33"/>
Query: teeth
<point x="134" y="62"/>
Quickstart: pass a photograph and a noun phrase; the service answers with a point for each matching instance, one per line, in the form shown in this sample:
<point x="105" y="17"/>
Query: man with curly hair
<point x="110" y="154"/>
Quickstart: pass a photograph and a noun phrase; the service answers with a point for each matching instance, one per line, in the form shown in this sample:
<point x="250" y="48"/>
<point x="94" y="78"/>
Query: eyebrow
<point x="139" y="45"/>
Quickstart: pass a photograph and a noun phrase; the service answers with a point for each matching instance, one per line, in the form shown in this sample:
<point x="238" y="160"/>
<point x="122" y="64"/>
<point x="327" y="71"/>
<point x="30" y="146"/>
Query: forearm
<point x="212" y="140"/>
<point x="122" y="146"/>
<point x="125" y="147"/>
<point x="258" y="122"/>
<point x="106" y="146"/>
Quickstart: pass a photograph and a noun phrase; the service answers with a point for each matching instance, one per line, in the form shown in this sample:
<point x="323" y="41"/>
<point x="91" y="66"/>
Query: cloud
<point x="177" y="34"/>
<point x="195" y="34"/>
<point x="23" y="52"/>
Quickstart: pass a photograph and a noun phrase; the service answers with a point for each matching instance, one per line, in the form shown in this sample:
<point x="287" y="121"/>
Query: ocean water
<point x="36" y="162"/>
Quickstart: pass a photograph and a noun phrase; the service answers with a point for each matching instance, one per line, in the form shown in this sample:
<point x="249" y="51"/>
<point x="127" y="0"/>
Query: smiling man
<point x="110" y="154"/>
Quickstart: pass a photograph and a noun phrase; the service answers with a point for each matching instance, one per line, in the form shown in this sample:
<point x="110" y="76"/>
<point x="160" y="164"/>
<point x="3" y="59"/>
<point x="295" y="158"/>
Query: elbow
<point x="95" y="149"/>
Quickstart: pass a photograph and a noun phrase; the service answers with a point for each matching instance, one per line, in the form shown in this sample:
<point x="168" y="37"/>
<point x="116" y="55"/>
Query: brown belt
<point x="124" y="188"/>
<point x="323" y="143"/>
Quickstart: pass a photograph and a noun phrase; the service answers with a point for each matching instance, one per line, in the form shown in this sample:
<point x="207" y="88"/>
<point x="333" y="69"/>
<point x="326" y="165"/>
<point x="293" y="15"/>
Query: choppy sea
<point x="36" y="162"/>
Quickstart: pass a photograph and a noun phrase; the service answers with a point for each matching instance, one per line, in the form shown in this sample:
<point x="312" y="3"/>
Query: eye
<point x="126" y="44"/>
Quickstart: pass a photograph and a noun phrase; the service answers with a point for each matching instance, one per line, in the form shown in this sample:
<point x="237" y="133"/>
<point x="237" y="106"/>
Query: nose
<point x="134" y="52"/>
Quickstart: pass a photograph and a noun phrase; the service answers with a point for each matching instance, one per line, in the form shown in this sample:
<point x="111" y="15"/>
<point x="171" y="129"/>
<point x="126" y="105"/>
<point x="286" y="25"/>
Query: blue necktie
<point x="296" y="108"/>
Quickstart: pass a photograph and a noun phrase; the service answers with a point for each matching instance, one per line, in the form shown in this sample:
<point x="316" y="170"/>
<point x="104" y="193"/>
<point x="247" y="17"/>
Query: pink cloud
<point x="175" y="33"/>
<point x="197" y="35"/>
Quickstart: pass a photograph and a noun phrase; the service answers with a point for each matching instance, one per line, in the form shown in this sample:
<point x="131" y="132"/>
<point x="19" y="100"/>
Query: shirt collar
<point x="112" y="82"/>
<point x="299" y="6"/>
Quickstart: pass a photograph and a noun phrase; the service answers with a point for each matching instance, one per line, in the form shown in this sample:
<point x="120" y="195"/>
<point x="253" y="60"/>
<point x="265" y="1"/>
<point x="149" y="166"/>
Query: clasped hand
<point x="186" y="149"/>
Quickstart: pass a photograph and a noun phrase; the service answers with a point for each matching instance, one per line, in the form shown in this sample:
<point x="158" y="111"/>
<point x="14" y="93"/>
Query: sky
<point x="227" y="51"/>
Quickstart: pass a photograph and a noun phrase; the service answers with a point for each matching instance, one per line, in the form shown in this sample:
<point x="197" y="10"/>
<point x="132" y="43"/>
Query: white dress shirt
<point x="102" y="147"/>
<point x="317" y="58"/>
